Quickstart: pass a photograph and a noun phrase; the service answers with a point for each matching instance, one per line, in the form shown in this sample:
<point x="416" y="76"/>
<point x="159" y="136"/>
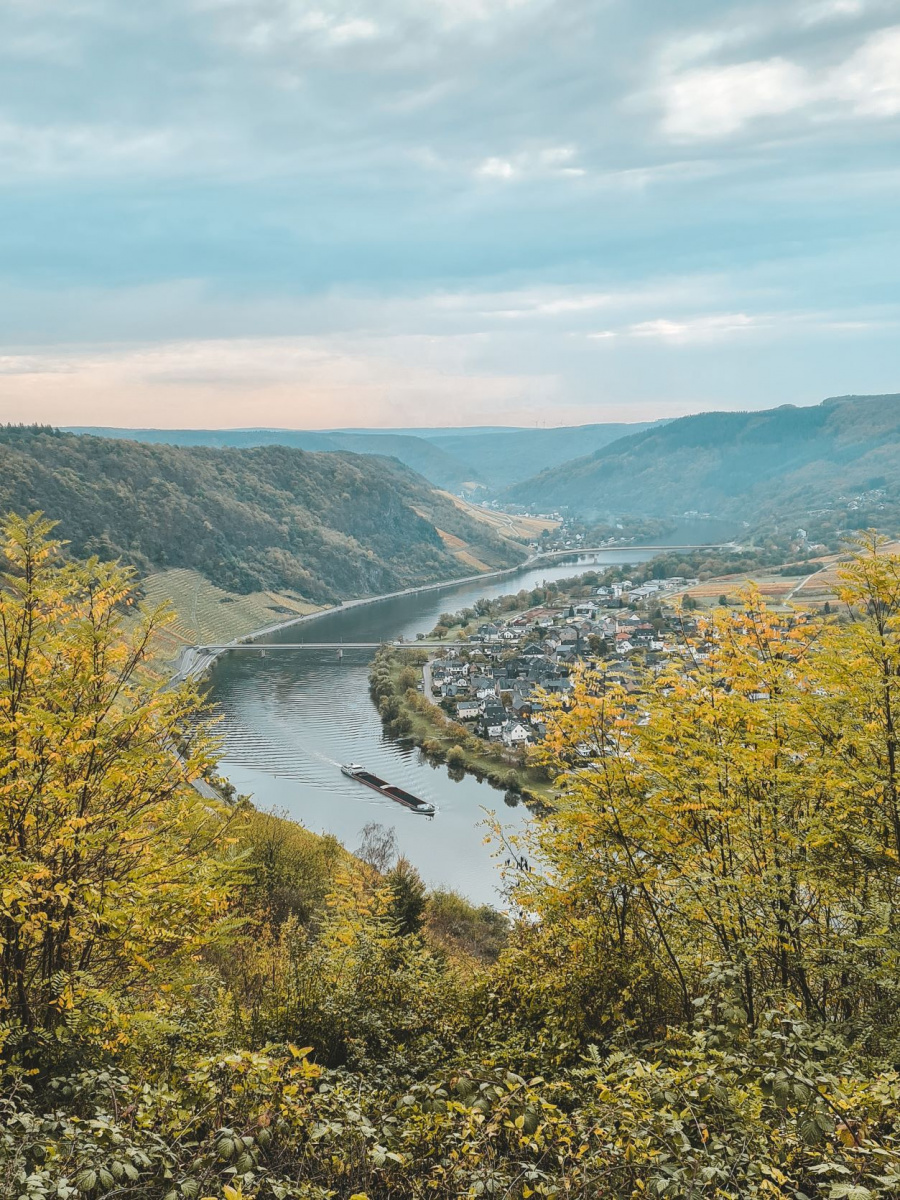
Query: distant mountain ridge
<point x="323" y="525"/>
<point x="456" y="459"/>
<point x="732" y="463"/>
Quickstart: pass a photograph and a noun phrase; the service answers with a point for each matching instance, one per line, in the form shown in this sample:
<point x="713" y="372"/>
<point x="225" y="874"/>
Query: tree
<point x="748" y="815"/>
<point x="108" y="870"/>
<point x="378" y="847"/>
<point x="408" y="894"/>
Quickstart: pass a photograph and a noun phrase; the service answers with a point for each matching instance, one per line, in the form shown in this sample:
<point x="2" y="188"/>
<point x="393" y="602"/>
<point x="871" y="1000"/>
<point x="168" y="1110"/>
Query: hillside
<point x="748" y="464"/>
<point x="456" y="459"/>
<point x="319" y="525"/>
<point x="512" y="455"/>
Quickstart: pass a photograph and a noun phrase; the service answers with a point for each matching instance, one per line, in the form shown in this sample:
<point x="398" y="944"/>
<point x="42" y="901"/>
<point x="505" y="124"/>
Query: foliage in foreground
<point x="696" y="998"/>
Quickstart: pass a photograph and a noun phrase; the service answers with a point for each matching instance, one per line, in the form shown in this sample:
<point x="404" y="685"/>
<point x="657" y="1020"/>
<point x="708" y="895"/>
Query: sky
<point x="406" y="213"/>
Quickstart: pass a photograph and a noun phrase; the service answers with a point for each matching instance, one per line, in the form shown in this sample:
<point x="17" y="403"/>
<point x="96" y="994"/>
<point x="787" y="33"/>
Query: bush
<point x="456" y="757"/>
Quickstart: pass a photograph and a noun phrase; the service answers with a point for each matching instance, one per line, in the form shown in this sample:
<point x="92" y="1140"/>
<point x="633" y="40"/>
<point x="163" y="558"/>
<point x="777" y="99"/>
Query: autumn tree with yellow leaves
<point x="108" y="879"/>
<point x="738" y="811"/>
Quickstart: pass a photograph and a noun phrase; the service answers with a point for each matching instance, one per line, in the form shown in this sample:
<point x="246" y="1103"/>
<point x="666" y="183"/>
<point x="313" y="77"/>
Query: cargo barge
<point x="407" y="799"/>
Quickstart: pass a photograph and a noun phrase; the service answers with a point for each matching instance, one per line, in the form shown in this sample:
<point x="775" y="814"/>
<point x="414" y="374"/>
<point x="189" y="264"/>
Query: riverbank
<point x="193" y="663"/>
<point x="395" y="675"/>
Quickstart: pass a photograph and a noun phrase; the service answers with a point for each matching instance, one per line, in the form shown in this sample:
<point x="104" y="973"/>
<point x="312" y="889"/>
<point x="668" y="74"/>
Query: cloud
<point x="718" y="101"/>
<point x="444" y="190"/>
<point x="712" y="102"/>
<point x="822" y="11"/>
<point x="454" y="12"/>
<point x="356" y="30"/>
<point x="696" y="329"/>
<point x="549" y="161"/>
<point x="298" y="382"/>
<point x="687" y="330"/>
<point x="496" y="168"/>
<point x="703" y="329"/>
<point x="49" y="149"/>
<point x="274" y="25"/>
<point x="30" y="364"/>
<point x="870" y="79"/>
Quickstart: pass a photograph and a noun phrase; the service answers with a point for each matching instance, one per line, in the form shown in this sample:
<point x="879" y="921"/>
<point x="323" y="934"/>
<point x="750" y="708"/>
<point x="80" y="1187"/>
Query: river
<point x="290" y="719"/>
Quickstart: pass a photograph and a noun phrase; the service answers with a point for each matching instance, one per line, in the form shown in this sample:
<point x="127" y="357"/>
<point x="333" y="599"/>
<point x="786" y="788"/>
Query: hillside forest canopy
<point x="829" y="468"/>
<point x="694" y="993"/>
<point x="321" y="525"/>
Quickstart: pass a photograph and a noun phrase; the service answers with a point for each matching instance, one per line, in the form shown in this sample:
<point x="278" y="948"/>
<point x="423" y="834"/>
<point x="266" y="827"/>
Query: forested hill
<point x="322" y="525"/>
<point x="740" y="463"/>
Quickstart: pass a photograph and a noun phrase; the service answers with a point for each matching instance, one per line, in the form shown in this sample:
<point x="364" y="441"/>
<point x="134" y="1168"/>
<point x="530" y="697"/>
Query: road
<point x="428" y="684"/>
<point x="798" y="587"/>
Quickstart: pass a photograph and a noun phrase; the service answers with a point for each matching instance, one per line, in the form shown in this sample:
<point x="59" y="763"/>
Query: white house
<point x="515" y="734"/>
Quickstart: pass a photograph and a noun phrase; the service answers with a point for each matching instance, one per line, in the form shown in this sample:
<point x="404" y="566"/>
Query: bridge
<point x="259" y="647"/>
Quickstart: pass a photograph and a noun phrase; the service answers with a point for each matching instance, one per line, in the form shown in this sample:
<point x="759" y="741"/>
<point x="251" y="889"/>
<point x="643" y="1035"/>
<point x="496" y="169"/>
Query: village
<point x="493" y="679"/>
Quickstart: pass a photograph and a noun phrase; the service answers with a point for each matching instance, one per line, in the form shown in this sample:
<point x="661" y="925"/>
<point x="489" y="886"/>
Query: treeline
<point x="696" y="996"/>
<point x="699" y="564"/>
<point x="686" y="564"/>
<point x="320" y="525"/>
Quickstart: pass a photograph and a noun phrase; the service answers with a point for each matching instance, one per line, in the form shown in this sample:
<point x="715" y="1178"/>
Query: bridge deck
<point x="422" y="644"/>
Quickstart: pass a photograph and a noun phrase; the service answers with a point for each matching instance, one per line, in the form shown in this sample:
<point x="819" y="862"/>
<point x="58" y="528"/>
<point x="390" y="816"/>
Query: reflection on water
<point x="291" y="719"/>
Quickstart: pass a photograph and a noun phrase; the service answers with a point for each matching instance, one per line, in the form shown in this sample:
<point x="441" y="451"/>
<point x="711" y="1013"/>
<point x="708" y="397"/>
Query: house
<point x="568" y="656"/>
<point x="531" y="651"/>
<point x="468" y="710"/>
<point x="492" y="720"/>
<point x="558" y="686"/>
<point x="450" y="688"/>
<point x="482" y="687"/>
<point x="515" y="734"/>
<point x="542" y="668"/>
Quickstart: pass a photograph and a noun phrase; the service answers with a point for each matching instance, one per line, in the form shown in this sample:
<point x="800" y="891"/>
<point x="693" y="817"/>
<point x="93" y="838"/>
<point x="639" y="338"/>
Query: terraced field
<point x="812" y="590"/>
<point x="521" y="529"/>
<point x="205" y="613"/>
